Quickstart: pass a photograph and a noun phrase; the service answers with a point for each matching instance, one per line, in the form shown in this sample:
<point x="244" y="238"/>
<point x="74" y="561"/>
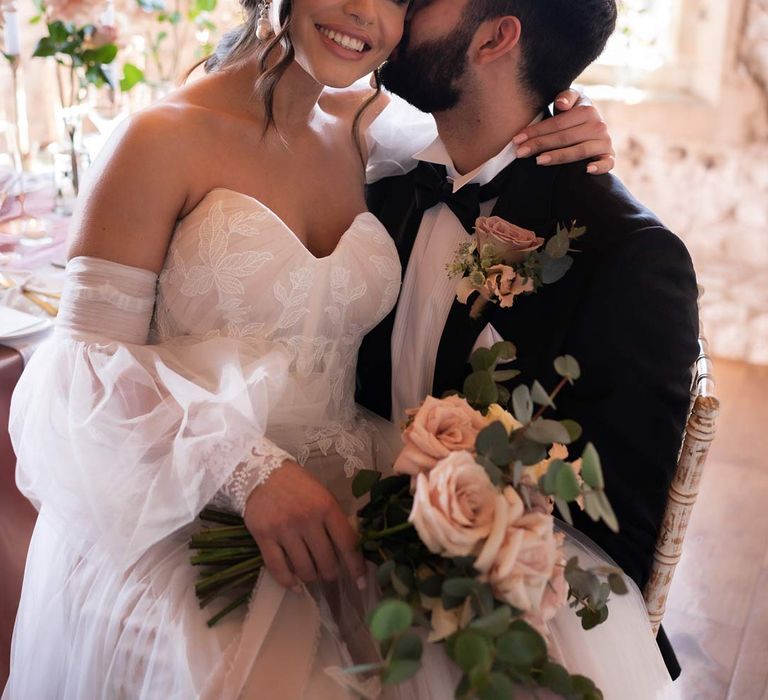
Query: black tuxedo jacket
<point x="626" y="310"/>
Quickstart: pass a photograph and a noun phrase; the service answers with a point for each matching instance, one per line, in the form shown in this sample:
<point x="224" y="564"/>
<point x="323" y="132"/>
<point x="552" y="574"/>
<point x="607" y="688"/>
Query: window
<point x="664" y="48"/>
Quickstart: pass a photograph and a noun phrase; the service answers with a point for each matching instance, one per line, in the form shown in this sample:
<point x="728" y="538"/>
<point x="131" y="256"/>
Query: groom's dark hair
<point x="560" y="38"/>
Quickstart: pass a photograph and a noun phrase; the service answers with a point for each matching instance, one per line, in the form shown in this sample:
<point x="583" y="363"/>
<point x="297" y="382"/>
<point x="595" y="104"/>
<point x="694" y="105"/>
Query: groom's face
<point x="429" y="67"/>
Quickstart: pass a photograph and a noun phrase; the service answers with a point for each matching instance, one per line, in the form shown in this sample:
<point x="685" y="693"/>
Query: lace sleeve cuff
<point x="265" y="458"/>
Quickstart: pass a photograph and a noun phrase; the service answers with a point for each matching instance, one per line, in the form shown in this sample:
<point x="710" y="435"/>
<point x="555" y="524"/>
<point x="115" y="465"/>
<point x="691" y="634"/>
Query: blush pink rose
<point x="454" y="506"/>
<point x="511" y="243"/>
<point x="520" y="554"/>
<point x="555" y="595"/>
<point x="102" y="35"/>
<point x="76" y="11"/>
<point x="439" y="427"/>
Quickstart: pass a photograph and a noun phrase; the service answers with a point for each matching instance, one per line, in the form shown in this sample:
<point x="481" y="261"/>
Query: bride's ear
<point x="497" y="38"/>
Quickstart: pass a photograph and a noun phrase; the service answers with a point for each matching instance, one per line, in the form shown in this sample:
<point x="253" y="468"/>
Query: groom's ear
<point x="496" y="38"/>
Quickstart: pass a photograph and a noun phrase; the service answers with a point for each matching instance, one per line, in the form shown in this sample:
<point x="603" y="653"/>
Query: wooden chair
<point x="699" y="433"/>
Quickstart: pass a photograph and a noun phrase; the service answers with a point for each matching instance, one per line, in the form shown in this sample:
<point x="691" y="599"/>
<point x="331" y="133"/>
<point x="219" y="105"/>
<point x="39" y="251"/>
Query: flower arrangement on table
<point x="463" y="535"/>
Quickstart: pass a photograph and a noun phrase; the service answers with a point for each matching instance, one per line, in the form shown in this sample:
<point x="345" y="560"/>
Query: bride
<point x="223" y="272"/>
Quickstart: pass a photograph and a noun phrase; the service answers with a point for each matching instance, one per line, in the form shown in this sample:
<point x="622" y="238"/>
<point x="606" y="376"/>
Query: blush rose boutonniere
<point x="506" y="260"/>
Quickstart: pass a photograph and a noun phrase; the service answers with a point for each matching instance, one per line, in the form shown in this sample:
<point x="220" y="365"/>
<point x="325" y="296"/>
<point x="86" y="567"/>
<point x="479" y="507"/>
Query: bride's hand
<point x="576" y="132"/>
<point x="301" y="529"/>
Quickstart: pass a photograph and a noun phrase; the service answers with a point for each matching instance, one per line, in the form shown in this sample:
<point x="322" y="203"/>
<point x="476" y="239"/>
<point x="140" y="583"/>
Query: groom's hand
<point x="576" y="132"/>
<point x="301" y="529"/>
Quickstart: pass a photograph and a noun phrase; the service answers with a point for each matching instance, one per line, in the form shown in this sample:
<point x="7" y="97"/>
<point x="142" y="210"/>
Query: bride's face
<point x="339" y="41"/>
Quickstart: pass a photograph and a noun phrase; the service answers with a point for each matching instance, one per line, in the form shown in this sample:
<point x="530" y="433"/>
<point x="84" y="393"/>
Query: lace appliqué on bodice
<point x="235" y="269"/>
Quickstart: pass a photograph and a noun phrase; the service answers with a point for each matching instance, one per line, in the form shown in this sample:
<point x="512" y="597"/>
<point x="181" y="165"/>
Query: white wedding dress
<point x="125" y="430"/>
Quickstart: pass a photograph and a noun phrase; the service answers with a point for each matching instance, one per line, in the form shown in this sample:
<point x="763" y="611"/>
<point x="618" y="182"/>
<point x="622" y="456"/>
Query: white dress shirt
<point x="428" y="293"/>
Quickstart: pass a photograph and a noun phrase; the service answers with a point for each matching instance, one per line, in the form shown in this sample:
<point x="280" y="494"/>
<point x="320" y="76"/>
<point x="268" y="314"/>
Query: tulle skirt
<point x="89" y="629"/>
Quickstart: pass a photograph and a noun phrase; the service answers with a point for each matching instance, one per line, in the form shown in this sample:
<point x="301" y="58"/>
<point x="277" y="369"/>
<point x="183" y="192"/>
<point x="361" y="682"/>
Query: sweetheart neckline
<point x="285" y="226"/>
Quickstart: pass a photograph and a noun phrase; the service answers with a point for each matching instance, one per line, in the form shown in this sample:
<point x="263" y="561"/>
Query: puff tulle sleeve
<point x="125" y="442"/>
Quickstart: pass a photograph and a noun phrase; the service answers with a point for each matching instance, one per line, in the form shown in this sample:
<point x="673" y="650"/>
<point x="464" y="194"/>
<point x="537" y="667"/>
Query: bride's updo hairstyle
<point x="240" y="44"/>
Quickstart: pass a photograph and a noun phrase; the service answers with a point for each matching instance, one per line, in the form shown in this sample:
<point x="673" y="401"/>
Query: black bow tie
<point x="433" y="186"/>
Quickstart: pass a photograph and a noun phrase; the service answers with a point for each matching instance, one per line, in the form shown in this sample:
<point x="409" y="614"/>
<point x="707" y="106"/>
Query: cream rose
<point x="532" y="474"/>
<point x="519" y="555"/>
<point x="453" y="506"/>
<point x="439" y="427"/>
<point x="555" y="594"/>
<point x="445" y="622"/>
<point x="102" y="35"/>
<point x="505" y="284"/>
<point x="511" y="243"/>
<point x="497" y="414"/>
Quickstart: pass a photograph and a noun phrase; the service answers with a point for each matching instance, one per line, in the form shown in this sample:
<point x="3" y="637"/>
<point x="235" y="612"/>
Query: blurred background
<point x="683" y="86"/>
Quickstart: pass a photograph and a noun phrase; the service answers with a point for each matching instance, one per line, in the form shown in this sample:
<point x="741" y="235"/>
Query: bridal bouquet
<point x="464" y="539"/>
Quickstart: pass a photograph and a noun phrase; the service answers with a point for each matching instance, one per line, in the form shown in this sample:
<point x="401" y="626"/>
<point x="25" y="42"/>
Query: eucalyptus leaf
<point x="606" y="511"/>
<point x="564" y="510"/>
<point x="472" y="651"/>
<point x="504" y="396"/>
<point x="409" y="646"/>
<point x="554" y="269"/>
<point x="528" y="451"/>
<point x="390" y="618"/>
<point x="540" y="396"/>
<point x="573" y="428"/>
<point x="431" y="586"/>
<point x="568" y="367"/>
<point x="556" y="678"/>
<point x="400" y="671"/>
<point x="483" y="359"/>
<point x="557" y="246"/>
<point x="522" y="646"/>
<point x="522" y="405"/>
<point x="364" y="481"/>
<point x="402" y="580"/>
<point x="495" y="623"/>
<point x="493" y="442"/>
<point x="505" y="375"/>
<point x="504" y="351"/>
<point x="566" y="484"/>
<point x="547" y="432"/>
<point x="498" y="687"/>
<point x="591" y="505"/>
<point x="480" y="389"/>
<point x="460" y="587"/>
<point x="591" y="470"/>
<point x="384" y="573"/>
<point x="618" y="584"/>
<point x="132" y="76"/>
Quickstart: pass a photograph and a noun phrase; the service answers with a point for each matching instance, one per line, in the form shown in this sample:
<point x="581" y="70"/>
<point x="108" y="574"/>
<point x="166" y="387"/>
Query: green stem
<point x="224" y="555"/>
<point x="206" y="584"/>
<point x="242" y="600"/>
<point x="383" y="534"/>
<point x="247" y="579"/>
<point x="220" y="516"/>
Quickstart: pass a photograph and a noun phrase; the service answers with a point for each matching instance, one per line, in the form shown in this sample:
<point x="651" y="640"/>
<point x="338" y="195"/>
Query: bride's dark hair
<point x="239" y="44"/>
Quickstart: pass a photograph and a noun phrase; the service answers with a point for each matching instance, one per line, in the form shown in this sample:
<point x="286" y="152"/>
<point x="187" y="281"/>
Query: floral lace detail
<point x="265" y="458"/>
<point x="234" y="269"/>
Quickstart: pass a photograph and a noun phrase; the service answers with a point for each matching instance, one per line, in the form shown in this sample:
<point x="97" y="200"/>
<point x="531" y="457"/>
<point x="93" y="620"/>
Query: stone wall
<point x="703" y="168"/>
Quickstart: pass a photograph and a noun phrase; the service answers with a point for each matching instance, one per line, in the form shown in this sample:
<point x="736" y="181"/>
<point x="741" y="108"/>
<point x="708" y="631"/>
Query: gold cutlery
<point x="7" y="282"/>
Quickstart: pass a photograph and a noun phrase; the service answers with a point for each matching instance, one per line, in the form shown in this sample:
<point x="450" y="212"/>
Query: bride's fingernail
<point x="520" y="138"/>
<point x="523" y="152"/>
<point x="543" y="160"/>
<point x="296" y="588"/>
<point x="562" y="101"/>
<point x="362" y="583"/>
<point x="591" y="169"/>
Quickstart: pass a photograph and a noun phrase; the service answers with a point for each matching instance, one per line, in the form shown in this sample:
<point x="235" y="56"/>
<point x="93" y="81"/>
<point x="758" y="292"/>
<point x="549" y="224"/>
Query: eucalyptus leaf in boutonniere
<point x="506" y="260"/>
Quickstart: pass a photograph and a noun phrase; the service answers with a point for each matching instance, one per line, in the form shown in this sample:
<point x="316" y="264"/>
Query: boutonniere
<point x="505" y="260"/>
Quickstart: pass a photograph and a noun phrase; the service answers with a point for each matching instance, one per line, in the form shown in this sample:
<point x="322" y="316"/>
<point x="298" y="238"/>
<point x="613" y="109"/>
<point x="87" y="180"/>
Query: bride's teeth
<point x="347" y="42"/>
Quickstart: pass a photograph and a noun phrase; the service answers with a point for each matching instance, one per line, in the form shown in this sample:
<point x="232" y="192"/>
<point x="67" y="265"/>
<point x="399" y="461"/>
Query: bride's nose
<point x="360" y="10"/>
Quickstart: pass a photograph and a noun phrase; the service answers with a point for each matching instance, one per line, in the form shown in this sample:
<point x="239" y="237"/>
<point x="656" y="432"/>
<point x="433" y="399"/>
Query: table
<point x="17" y="515"/>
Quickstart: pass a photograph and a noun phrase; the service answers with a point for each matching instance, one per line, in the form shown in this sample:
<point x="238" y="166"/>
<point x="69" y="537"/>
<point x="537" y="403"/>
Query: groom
<point x="626" y="310"/>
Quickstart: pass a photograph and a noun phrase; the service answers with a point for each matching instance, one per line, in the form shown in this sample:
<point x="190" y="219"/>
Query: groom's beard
<point x="428" y="76"/>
